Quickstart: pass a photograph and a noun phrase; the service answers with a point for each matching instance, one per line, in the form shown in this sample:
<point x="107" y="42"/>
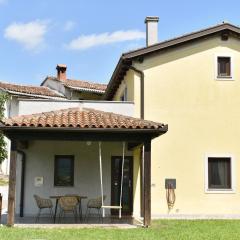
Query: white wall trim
<point x="233" y="174"/>
<point x="223" y="54"/>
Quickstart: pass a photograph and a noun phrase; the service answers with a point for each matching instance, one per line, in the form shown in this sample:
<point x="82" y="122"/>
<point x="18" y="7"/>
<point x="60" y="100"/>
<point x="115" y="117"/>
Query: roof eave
<point x="122" y="65"/>
<point x="4" y="128"/>
<point x="85" y="89"/>
<point x="81" y="134"/>
<point x="129" y="56"/>
<point x="15" y="93"/>
<point x="36" y="95"/>
<point x="182" y="39"/>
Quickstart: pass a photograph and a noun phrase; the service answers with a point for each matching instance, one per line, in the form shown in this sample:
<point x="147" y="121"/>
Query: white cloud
<point x="88" y="41"/>
<point x="68" y="26"/>
<point x="30" y="35"/>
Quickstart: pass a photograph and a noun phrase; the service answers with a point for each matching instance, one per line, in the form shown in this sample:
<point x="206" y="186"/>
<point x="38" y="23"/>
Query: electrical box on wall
<point x="170" y="183"/>
<point x="38" y="181"/>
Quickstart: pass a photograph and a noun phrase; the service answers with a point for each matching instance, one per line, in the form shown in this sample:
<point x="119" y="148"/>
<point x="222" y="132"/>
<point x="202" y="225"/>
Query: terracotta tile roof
<point x="82" y="85"/>
<point x="80" y="118"/>
<point x="29" y="90"/>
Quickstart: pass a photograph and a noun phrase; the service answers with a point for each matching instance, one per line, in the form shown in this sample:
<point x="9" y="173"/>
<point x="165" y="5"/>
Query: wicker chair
<point x="68" y="204"/>
<point x="95" y="203"/>
<point x="43" y="203"/>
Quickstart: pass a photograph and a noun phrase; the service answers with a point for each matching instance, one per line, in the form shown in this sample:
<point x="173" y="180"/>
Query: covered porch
<point x="94" y="140"/>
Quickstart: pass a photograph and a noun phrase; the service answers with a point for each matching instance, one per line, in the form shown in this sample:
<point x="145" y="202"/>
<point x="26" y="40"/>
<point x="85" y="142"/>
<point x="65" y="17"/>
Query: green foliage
<point x="3" y="181"/>
<point x="3" y="146"/>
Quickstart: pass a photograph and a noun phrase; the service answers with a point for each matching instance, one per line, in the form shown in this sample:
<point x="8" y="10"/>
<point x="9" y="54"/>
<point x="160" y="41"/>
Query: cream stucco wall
<point x="40" y="163"/>
<point x="132" y="82"/>
<point x="126" y="83"/>
<point x="203" y="117"/>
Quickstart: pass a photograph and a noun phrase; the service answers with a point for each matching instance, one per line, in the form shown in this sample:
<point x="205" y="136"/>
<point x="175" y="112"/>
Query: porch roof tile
<point x="80" y="118"/>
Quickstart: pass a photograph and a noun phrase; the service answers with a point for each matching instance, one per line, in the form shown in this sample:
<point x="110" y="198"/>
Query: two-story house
<point x="192" y="83"/>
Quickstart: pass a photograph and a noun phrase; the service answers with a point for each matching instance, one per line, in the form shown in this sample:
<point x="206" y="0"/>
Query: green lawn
<point x="163" y="229"/>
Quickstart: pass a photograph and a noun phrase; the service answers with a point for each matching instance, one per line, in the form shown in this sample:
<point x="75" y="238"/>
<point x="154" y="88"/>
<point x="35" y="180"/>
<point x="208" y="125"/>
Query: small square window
<point x="64" y="170"/>
<point x="224" y="67"/>
<point x="219" y="173"/>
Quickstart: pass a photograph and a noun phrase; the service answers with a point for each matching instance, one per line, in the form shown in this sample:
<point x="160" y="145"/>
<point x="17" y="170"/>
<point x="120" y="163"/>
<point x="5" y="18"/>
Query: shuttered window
<point x="224" y="67"/>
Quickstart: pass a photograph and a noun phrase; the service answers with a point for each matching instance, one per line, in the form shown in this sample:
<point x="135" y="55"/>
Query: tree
<point x="3" y="145"/>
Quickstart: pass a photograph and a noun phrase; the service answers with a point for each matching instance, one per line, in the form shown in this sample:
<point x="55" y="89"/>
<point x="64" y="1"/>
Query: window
<point x="123" y="98"/>
<point x="64" y="170"/>
<point x="219" y="173"/>
<point x="223" y="67"/>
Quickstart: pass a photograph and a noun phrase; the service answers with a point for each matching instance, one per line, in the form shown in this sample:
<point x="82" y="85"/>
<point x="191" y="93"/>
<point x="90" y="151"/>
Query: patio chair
<point x="95" y="203"/>
<point x="79" y="205"/>
<point x="43" y="203"/>
<point x="68" y="204"/>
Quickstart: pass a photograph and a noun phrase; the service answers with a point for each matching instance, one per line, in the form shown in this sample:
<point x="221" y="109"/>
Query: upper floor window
<point x="123" y="97"/>
<point x="224" y="67"/>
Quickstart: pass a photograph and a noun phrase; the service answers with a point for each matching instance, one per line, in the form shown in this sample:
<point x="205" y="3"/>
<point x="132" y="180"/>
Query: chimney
<point x="151" y="30"/>
<point x="61" y="72"/>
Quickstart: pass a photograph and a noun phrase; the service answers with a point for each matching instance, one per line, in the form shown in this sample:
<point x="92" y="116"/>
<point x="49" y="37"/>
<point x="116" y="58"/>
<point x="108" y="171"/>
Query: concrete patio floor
<point x="69" y="222"/>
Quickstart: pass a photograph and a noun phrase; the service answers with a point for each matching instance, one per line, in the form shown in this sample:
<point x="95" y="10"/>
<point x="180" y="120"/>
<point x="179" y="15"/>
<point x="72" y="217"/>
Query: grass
<point x="162" y="229"/>
<point x="3" y="181"/>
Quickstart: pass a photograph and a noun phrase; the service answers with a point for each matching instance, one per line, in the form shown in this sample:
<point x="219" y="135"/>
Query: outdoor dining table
<point x="79" y="197"/>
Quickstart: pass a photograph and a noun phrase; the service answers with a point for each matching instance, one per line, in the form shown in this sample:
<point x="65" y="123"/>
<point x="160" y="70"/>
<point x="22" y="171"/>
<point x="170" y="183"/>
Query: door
<point x="127" y="193"/>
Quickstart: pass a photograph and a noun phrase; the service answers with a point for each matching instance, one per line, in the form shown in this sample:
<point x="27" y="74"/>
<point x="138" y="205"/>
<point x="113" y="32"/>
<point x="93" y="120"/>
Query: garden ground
<point x="161" y="229"/>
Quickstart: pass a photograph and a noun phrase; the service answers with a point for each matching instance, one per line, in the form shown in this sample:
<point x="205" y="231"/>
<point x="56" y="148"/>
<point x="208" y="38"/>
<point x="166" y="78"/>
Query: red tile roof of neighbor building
<point x="84" y="118"/>
<point x="34" y="91"/>
<point x="81" y="85"/>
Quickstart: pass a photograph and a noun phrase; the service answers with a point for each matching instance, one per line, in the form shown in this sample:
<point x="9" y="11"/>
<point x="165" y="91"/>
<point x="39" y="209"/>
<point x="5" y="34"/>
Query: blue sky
<point x="89" y="36"/>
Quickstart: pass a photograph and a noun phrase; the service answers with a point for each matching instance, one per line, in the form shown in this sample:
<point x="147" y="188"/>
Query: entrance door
<point x="127" y="193"/>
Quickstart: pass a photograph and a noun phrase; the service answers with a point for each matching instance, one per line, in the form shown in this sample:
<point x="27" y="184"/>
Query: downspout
<point x="141" y="73"/>
<point x="22" y="182"/>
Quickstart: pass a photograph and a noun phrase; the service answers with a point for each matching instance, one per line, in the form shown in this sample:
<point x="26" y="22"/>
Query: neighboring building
<point x="16" y="92"/>
<point x="191" y="83"/>
<point x="57" y="88"/>
<point x="74" y="89"/>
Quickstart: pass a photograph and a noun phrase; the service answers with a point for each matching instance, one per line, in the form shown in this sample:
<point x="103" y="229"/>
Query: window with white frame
<point x="224" y="67"/>
<point x="219" y="173"/>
